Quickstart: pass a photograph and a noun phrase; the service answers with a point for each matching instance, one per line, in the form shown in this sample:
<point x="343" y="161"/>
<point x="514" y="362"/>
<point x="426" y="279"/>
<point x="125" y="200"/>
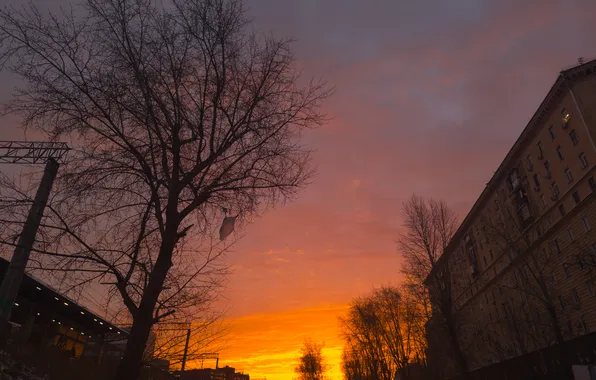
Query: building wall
<point x="494" y="284"/>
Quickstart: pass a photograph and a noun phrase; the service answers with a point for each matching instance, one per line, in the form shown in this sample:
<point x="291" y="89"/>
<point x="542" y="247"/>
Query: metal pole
<point x="185" y="350"/>
<point x="16" y="269"/>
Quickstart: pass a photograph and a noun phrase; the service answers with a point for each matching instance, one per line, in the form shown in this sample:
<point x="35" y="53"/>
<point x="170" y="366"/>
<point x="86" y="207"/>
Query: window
<point x="536" y="181"/>
<point x="583" y="324"/>
<point x="556" y="245"/>
<point x="551" y="130"/>
<point x="529" y="163"/>
<point x="568" y="175"/>
<point x="550" y="222"/>
<point x="590" y="288"/>
<point x="554" y="189"/>
<point x="565" y="116"/>
<point x="540" y="152"/>
<point x="562" y="209"/>
<point x="566" y="270"/>
<point x="583" y="160"/>
<point x="574" y="296"/>
<point x="570" y="327"/>
<point x="570" y="235"/>
<point x="491" y="254"/>
<point x="484" y="258"/>
<point x="547" y="167"/>
<point x="559" y="153"/>
<point x="576" y="197"/>
<point x="586" y="224"/>
<point x="525" y="212"/>
<point x="561" y="302"/>
<point x="500" y="290"/>
<point x="513" y="180"/>
<point x="573" y="137"/>
<point x="592" y="183"/>
<point x="543" y="200"/>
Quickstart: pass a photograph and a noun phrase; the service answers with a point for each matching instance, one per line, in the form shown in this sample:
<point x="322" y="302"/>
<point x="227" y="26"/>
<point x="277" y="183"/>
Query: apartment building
<point x="522" y="265"/>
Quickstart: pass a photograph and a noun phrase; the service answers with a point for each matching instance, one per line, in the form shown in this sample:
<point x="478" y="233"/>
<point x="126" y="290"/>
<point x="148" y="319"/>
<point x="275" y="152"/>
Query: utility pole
<point x="185" y="350"/>
<point x="26" y="153"/>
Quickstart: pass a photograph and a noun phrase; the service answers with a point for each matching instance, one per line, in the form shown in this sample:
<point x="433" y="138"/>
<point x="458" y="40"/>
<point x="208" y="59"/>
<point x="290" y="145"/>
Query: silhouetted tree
<point x="531" y="314"/>
<point x="177" y="112"/>
<point x="430" y="226"/>
<point x="383" y="333"/>
<point x="311" y="364"/>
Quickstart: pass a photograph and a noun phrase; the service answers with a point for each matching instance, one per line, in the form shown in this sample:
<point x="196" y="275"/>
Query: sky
<point x="430" y="95"/>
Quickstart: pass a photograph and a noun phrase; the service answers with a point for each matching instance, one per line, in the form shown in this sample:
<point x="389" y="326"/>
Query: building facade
<point x="522" y="265"/>
<point x="224" y="373"/>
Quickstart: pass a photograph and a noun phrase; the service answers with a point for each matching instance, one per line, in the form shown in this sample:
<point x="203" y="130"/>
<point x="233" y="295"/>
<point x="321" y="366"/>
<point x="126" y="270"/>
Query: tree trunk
<point x="130" y="366"/>
<point x="460" y="359"/>
<point x="560" y="345"/>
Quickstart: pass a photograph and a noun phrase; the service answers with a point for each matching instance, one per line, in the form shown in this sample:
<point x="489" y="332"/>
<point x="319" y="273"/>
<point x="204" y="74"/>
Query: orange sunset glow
<point x="429" y="97"/>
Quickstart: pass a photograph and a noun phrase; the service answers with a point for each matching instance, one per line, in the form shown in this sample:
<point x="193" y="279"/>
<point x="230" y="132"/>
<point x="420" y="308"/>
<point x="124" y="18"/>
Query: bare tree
<point x="430" y="225"/>
<point x="177" y="112"/>
<point x="311" y="364"/>
<point x="383" y="333"/>
<point x="531" y="312"/>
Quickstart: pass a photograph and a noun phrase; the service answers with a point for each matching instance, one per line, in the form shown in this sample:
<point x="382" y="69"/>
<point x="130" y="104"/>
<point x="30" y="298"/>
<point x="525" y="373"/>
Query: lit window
<point x="583" y="159"/>
<point x="566" y="116"/>
<point x="586" y="224"/>
<point x="559" y="153"/>
<point x="568" y="175"/>
<point x="573" y="137"/>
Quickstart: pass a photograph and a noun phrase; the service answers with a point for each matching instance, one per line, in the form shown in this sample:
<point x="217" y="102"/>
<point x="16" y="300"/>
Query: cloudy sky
<point x="430" y="95"/>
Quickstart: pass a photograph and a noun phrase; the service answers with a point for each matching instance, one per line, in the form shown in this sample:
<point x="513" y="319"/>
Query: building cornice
<point x="564" y="79"/>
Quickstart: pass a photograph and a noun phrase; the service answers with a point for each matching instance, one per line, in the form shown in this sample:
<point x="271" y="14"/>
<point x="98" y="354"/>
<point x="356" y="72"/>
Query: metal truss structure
<point x="31" y="152"/>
